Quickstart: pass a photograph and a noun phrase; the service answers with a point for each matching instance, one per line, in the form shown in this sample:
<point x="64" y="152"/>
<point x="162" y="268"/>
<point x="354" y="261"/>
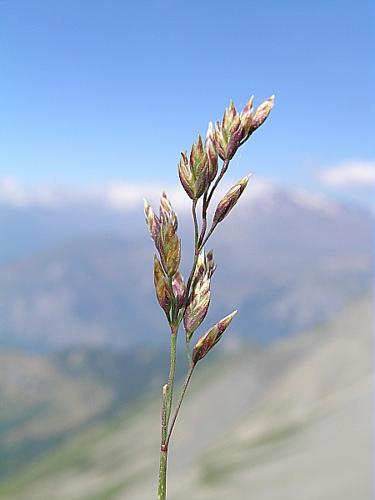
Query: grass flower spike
<point x="188" y="301"/>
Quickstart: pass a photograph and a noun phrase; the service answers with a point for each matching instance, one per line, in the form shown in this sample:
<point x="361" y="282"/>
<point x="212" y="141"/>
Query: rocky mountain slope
<point x="293" y="421"/>
<point x="45" y="400"/>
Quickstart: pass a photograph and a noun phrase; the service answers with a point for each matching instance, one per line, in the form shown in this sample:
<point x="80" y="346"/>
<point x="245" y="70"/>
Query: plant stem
<point x="196" y="229"/>
<point x="208" y="236"/>
<point x="224" y="168"/>
<point x="206" y="201"/>
<point x="184" y="387"/>
<point x="172" y="370"/>
<point x="196" y="252"/>
<point x="162" y="486"/>
<point x="188" y="352"/>
<point x="166" y="412"/>
<point x="204" y="218"/>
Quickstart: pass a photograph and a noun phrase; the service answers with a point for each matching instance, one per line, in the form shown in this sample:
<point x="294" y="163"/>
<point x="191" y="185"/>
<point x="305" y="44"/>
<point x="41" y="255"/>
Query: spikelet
<point x="198" y="304"/>
<point x="228" y="133"/>
<point x="210" y="338"/>
<point x="235" y="129"/>
<point x="229" y="200"/>
<point x="163" y="230"/>
<point x="163" y="292"/>
<point x="211" y="152"/>
<point x="152" y="221"/>
<point x="178" y="287"/>
<point x="193" y="170"/>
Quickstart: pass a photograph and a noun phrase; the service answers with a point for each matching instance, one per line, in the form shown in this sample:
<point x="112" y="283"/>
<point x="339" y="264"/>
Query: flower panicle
<point x="188" y="303"/>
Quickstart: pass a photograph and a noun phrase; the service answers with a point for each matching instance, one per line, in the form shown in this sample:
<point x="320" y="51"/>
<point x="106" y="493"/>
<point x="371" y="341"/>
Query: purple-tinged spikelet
<point x="163" y="230"/>
<point x="235" y="129"/>
<point x="210" y="262"/>
<point x="163" y="292"/>
<point x="228" y="133"/>
<point x="152" y="221"/>
<point x="210" y="338"/>
<point x="169" y="248"/>
<point x="193" y="170"/>
<point x="211" y="153"/>
<point x="246" y="118"/>
<point x="229" y="200"/>
<point x="178" y="287"/>
<point x="262" y="113"/>
<point x="198" y="304"/>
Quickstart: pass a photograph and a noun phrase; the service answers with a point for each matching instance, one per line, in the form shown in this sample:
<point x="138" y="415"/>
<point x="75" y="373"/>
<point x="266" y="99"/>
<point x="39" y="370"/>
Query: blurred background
<point x="97" y="101"/>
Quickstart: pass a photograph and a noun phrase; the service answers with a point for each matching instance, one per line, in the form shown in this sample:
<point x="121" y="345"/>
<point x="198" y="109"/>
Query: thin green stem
<point x="204" y="218"/>
<point x="162" y="485"/>
<point x="166" y="413"/>
<point x="188" y="351"/>
<point x="196" y="252"/>
<point x="206" y="202"/>
<point x="208" y="236"/>
<point x="188" y="284"/>
<point x="172" y="371"/>
<point x="183" y="391"/>
<point x="196" y="229"/>
<point x="224" y="168"/>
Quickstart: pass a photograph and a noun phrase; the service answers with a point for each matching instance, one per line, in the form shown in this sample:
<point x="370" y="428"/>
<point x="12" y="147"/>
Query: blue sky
<point x="95" y="91"/>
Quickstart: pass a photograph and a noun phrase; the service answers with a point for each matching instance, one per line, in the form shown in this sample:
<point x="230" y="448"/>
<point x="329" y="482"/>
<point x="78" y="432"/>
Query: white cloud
<point x="315" y="201"/>
<point x="118" y="195"/>
<point x="350" y="174"/>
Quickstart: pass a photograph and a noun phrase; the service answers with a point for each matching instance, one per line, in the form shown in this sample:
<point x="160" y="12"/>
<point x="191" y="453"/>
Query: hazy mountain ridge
<point x="285" y="263"/>
<point x="47" y="399"/>
<point x="277" y="423"/>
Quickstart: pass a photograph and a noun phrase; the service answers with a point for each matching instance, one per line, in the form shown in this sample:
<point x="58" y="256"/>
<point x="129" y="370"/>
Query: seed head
<point x="228" y="133"/>
<point x="251" y="120"/>
<point x="163" y="292"/>
<point x="210" y="338"/>
<point x="229" y="200"/>
<point x="235" y="129"/>
<point x="152" y="221"/>
<point x="163" y="232"/>
<point x="246" y="118"/>
<point x="204" y="265"/>
<point x="166" y="210"/>
<point x="169" y="248"/>
<point x="198" y="305"/>
<point x="211" y="153"/>
<point x="262" y="113"/>
<point x="178" y="287"/>
<point x="210" y="262"/>
<point x="193" y="170"/>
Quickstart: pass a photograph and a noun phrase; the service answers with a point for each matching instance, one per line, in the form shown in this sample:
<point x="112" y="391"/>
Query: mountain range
<point x="82" y="274"/>
<point x="287" y="421"/>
